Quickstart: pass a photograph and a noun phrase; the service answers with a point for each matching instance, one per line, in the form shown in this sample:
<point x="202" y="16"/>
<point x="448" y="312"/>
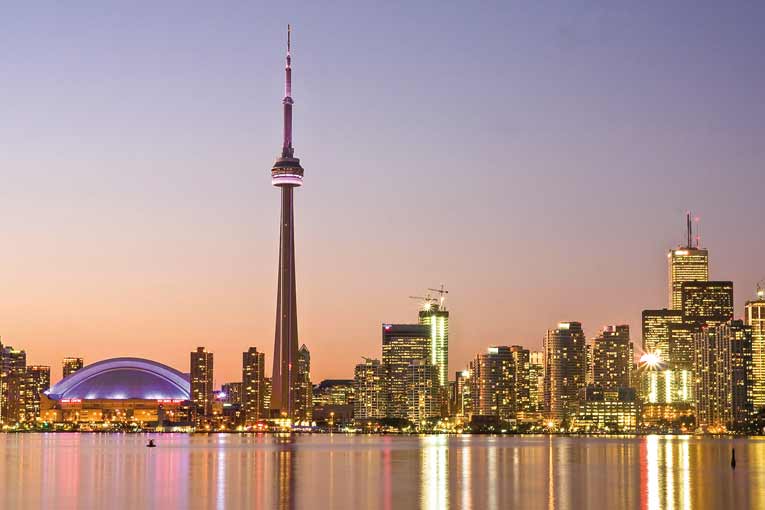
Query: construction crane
<point x="427" y="301"/>
<point x="442" y="292"/>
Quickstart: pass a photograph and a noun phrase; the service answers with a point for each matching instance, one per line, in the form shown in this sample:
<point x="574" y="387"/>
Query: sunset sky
<point x="536" y="159"/>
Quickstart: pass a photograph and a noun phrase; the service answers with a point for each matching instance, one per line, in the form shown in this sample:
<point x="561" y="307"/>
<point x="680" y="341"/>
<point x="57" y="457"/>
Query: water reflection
<point x="72" y="471"/>
<point x="434" y="472"/>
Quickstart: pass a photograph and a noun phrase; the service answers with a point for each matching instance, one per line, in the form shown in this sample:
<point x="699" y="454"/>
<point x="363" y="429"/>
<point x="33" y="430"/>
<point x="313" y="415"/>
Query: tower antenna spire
<point x="690" y="229"/>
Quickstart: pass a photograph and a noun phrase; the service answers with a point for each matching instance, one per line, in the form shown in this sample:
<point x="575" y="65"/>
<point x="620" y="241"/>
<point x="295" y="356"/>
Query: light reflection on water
<point x="81" y="471"/>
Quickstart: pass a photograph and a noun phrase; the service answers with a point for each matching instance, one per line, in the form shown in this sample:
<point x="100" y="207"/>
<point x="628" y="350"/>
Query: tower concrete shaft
<point x="286" y="174"/>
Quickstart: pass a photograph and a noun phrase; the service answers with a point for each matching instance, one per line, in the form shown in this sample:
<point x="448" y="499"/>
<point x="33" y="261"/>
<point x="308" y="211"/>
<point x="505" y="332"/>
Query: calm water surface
<point x="115" y="472"/>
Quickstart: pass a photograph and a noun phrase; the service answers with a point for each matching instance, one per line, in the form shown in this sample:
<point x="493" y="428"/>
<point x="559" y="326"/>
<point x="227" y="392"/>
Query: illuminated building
<point x="686" y="264"/>
<point x="36" y="382"/>
<point x="303" y="387"/>
<point x="603" y="416"/>
<point x="724" y="376"/>
<point x="436" y="317"/>
<point x="493" y="383"/>
<point x="333" y="400"/>
<point x="253" y="385"/>
<point x="71" y="365"/>
<point x="401" y="345"/>
<point x="423" y="391"/>
<point x="707" y="303"/>
<point x="202" y="382"/>
<point x="537" y="380"/>
<point x="286" y="174"/>
<point x="565" y="368"/>
<point x="656" y="324"/>
<point x="612" y="358"/>
<point x="462" y="402"/>
<point x="333" y="392"/>
<point x="13" y="364"/>
<point x="118" y="390"/>
<point x="522" y="383"/>
<point x="233" y="392"/>
<point x="754" y="316"/>
<point x="369" y="390"/>
<point x="267" y="394"/>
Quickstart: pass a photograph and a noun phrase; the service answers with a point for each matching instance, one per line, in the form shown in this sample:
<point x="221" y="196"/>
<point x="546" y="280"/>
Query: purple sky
<point x="537" y="159"/>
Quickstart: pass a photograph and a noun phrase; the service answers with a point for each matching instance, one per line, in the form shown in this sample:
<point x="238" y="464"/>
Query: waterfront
<point x="229" y="471"/>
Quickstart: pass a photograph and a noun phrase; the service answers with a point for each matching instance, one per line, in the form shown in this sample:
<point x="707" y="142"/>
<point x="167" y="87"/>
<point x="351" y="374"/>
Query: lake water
<point x="116" y="472"/>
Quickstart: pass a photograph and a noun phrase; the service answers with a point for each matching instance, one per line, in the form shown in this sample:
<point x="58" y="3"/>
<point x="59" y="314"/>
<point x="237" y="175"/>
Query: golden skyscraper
<point x="754" y="316"/>
<point x="686" y="264"/>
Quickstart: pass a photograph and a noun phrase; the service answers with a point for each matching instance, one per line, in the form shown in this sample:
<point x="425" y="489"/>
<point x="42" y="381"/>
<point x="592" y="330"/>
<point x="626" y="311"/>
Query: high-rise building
<point x="201" y="363"/>
<point x="36" y="382"/>
<point x="423" y="392"/>
<point x="707" y="303"/>
<point x="304" y="388"/>
<point x="13" y="366"/>
<point x="253" y="385"/>
<point x="723" y="367"/>
<point x="436" y="317"/>
<point x="612" y="359"/>
<point x="565" y="368"/>
<point x="754" y="316"/>
<point x="267" y="388"/>
<point x="286" y="174"/>
<point x="493" y="383"/>
<point x="537" y="380"/>
<point x="462" y="402"/>
<point x="522" y="383"/>
<point x="369" y="390"/>
<point x="656" y="324"/>
<point x="401" y="345"/>
<point x="233" y="392"/>
<point x="71" y="365"/>
<point x="689" y="263"/>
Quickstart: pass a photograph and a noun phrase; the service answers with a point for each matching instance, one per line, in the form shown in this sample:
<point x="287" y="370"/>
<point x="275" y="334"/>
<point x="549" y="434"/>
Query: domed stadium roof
<point x="123" y="378"/>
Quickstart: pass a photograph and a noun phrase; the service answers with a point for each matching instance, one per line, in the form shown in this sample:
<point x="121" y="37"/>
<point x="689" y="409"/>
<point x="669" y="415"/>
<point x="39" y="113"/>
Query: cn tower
<point x="286" y="174"/>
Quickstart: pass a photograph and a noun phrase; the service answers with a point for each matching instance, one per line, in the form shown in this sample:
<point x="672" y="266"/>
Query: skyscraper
<point x="13" y="366"/>
<point x="71" y="365"/>
<point x="286" y="174"/>
<point x="493" y="383"/>
<point x="304" y="388"/>
<point x="686" y="264"/>
<point x="369" y="390"/>
<point x="201" y="364"/>
<point x="462" y="399"/>
<point x="423" y="392"/>
<point x="523" y="386"/>
<point x="723" y="365"/>
<point x="36" y="382"/>
<point x="754" y="316"/>
<point x="436" y="317"/>
<point x="706" y="303"/>
<point x="401" y="345"/>
<point x="565" y="368"/>
<point x="656" y="324"/>
<point x="253" y="385"/>
<point x="612" y="359"/>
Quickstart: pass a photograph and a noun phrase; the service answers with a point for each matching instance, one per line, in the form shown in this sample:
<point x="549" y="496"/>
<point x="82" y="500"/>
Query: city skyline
<point x="105" y="266"/>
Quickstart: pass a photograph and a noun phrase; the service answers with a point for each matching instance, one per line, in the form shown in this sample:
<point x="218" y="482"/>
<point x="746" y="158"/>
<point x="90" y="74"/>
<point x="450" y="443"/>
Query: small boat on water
<point x="151" y="444"/>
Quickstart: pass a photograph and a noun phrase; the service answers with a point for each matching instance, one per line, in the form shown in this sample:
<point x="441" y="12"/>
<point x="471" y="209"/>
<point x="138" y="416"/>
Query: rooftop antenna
<point x="697" y="220"/>
<point x="761" y="289"/>
<point x="689" y="228"/>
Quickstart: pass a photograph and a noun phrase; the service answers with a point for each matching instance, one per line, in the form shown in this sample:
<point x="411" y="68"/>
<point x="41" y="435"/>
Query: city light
<point x="651" y="360"/>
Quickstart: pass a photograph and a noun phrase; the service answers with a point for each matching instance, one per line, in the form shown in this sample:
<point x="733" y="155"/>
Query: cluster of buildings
<point x="699" y="368"/>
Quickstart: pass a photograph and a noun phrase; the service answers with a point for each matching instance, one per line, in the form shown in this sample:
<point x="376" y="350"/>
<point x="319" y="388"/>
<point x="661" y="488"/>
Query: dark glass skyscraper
<point x="286" y="174"/>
